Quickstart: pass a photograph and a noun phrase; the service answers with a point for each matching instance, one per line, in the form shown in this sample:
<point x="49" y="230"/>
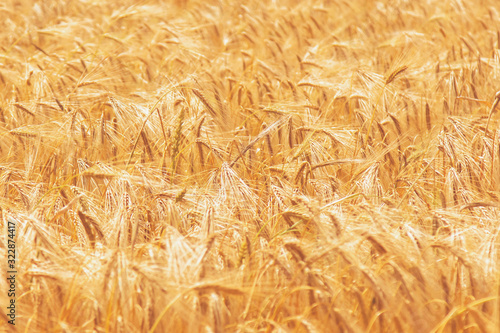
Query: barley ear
<point x="492" y="110"/>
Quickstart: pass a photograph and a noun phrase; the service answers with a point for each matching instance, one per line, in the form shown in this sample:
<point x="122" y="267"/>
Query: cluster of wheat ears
<point x="226" y="166"/>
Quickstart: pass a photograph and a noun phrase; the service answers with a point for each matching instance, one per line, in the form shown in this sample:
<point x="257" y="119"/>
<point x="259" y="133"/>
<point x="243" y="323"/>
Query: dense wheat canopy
<point x="227" y="166"/>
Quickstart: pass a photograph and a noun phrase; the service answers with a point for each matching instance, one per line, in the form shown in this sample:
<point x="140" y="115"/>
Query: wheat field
<point x="272" y="166"/>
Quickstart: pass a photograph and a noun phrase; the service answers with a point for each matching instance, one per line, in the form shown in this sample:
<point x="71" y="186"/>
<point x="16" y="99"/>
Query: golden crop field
<point x="250" y="166"/>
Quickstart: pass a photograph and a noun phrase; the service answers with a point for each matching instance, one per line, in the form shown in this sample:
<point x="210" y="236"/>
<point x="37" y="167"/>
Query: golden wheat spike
<point x="492" y="110"/>
<point x="395" y="73"/>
